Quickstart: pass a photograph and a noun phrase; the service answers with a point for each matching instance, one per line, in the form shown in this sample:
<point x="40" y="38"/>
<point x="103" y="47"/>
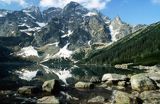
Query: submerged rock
<point x="83" y="85"/>
<point x="29" y="90"/>
<point x="113" y="77"/>
<point x="97" y="100"/>
<point x="140" y="82"/>
<point x="51" y="86"/>
<point x="48" y="100"/>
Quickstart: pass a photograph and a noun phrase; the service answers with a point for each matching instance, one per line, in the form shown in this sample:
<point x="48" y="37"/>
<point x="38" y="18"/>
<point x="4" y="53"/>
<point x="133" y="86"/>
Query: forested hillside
<point x="141" y="47"/>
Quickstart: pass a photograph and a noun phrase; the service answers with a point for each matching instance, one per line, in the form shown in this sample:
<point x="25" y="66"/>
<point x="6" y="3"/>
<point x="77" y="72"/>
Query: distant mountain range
<point x="65" y="33"/>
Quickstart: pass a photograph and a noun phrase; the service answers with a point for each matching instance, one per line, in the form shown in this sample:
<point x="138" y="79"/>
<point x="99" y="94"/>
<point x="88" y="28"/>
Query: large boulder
<point x="150" y="97"/>
<point x="113" y="77"/>
<point x="48" y="100"/>
<point x="155" y="77"/>
<point x="51" y="86"/>
<point x="140" y="82"/>
<point x="28" y="90"/>
<point x="83" y="85"/>
<point x="124" y="98"/>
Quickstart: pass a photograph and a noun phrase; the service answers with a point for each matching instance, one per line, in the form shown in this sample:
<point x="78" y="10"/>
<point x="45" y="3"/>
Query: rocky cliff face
<point x="68" y="29"/>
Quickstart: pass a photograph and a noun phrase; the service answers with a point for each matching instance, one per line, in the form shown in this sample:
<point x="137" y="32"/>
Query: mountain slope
<point x="51" y="31"/>
<point x="142" y="47"/>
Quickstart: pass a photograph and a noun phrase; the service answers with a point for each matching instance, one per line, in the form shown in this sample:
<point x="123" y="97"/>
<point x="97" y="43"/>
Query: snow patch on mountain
<point x="30" y="15"/>
<point x="64" y="52"/>
<point x="113" y="33"/>
<point x="68" y="34"/>
<point x="41" y="24"/>
<point x="51" y="44"/>
<point x="24" y="24"/>
<point x="27" y="51"/>
<point x="27" y="31"/>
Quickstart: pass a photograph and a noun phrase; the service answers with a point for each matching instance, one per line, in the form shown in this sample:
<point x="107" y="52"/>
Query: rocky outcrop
<point x="140" y="82"/>
<point x="84" y="85"/>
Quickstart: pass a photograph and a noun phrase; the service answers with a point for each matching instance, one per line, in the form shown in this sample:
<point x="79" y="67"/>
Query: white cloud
<point x="90" y="4"/>
<point x="20" y="2"/>
<point x="156" y="1"/>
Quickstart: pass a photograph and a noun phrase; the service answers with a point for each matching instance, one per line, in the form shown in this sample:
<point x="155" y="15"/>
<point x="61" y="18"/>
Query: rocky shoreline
<point x="107" y="89"/>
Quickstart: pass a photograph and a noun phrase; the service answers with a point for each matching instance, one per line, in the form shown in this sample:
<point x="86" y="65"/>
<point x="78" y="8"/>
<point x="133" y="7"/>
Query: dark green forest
<point x="140" y="48"/>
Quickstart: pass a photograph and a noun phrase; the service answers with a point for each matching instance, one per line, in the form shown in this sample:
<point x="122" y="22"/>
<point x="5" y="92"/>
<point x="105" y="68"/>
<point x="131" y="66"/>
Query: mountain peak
<point x="73" y="3"/>
<point x="74" y="7"/>
<point x="117" y="18"/>
<point x="32" y="9"/>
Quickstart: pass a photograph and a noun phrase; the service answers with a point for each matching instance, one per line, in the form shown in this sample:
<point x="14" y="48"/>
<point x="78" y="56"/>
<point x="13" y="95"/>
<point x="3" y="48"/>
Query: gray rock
<point x="121" y="83"/>
<point x="114" y="77"/>
<point x="155" y="77"/>
<point x="124" y="98"/>
<point x="48" y="100"/>
<point x="97" y="99"/>
<point x="109" y="83"/>
<point x="28" y="90"/>
<point x="142" y="83"/>
<point x="150" y="97"/>
<point x="119" y="87"/>
<point x="51" y="86"/>
<point x="83" y="85"/>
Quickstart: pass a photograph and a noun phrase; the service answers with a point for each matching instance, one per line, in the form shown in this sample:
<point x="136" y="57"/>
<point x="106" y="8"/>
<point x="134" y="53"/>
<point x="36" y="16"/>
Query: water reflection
<point x="66" y="73"/>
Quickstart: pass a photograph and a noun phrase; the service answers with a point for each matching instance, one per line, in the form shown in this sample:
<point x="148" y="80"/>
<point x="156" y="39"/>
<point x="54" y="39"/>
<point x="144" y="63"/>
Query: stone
<point x="48" y="100"/>
<point x="124" y="98"/>
<point x="122" y="83"/>
<point x="95" y="79"/>
<point x="119" y="87"/>
<point x="84" y="85"/>
<point x="140" y="82"/>
<point x="150" y="97"/>
<point x="155" y="77"/>
<point x="114" y="77"/>
<point x="29" y="90"/>
<point x="97" y="99"/>
<point x="109" y="83"/>
<point x="51" y="86"/>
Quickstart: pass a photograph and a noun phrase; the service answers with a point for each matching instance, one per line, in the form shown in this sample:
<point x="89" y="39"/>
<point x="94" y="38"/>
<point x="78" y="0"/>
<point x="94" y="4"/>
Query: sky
<point x="131" y="11"/>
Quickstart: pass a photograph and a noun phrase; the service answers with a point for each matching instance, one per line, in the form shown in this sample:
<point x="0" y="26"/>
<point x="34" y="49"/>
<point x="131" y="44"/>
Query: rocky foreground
<point x="143" y="88"/>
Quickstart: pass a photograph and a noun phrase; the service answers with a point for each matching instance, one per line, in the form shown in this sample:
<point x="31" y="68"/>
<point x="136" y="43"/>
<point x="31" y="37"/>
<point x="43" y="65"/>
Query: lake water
<point x="62" y="72"/>
<point x="14" y="76"/>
